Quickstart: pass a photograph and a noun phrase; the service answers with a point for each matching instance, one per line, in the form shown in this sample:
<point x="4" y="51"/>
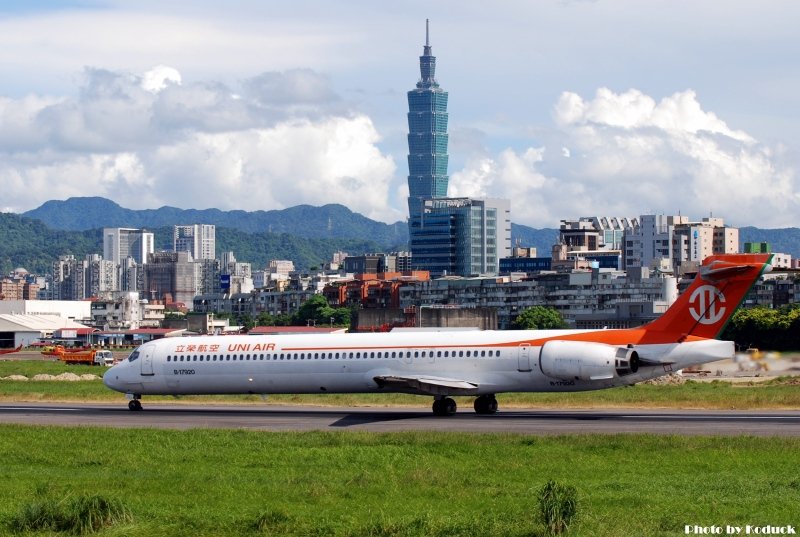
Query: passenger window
<point x="169" y="358"/>
<point x="460" y="354"/>
<point x="468" y="354"/>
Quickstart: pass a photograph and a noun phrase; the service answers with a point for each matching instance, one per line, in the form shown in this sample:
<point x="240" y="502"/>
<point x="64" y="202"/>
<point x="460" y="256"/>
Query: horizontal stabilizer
<point x="721" y="271"/>
<point x="426" y="385"/>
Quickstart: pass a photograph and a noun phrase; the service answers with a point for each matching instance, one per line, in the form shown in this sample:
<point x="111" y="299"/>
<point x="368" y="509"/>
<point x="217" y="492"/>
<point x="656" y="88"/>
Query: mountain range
<point x="331" y="221"/>
<point x="305" y="234"/>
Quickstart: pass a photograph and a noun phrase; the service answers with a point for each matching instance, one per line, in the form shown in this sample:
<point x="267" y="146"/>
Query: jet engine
<point x="582" y="360"/>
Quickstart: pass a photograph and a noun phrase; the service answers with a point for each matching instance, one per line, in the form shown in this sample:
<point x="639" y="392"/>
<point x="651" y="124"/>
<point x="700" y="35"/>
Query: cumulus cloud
<point x="150" y="140"/>
<point x="630" y="155"/>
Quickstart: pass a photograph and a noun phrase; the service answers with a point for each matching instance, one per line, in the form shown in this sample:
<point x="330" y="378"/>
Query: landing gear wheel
<point x="444" y="407"/>
<point x="134" y="404"/>
<point x="486" y="404"/>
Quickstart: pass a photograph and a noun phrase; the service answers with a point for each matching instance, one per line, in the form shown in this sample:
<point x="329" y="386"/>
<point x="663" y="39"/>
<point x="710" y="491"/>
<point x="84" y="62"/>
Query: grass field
<point x="248" y="483"/>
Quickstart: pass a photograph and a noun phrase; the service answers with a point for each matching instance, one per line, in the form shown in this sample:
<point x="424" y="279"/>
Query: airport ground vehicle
<point x="90" y="357"/>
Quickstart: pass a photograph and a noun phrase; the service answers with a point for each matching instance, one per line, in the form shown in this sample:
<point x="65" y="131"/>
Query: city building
<point x="101" y="275"/>
<point x="17" y="288"/>
<point x="170" y="277"/>
<point x="69" y="279"/>
<point x="197" y="239"/>
<point x="120" y="311"/>
<point x="207" y="273"/>
<point x="586" y="299"/>
<point x="461" y="236"/>
<point x="375" y="263"/>
<point x="283" y="267"/>
<point x="779" y="260"/>
<point x="120" y="243"/>
<point x="236" y="276"/>
<point x="680" y="242"/>
<point x="373" y="290"/>
<point x="595" y="232"/>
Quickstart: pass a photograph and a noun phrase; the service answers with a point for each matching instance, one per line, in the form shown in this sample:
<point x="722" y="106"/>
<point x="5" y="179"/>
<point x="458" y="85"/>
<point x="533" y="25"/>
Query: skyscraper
<point x="120" y="243"/>
<point x="198" y="239"/>
<point x="461" y="236"/>
<point x="427" y="134"/>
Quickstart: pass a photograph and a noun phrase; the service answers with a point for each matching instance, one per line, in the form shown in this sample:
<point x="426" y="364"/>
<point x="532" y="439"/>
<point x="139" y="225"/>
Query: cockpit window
<point x="134" y="355"/>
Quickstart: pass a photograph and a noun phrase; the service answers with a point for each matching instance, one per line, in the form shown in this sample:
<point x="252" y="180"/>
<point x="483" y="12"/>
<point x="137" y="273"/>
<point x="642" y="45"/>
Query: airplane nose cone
<point x="111" y="378"/>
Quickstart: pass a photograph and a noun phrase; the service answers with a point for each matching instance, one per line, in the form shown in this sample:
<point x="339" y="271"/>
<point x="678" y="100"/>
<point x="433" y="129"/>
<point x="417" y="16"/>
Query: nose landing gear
<point x="135" y="404"/>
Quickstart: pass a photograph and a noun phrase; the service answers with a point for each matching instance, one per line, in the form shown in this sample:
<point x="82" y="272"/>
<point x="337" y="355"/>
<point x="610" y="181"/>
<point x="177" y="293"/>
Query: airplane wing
<point x="424" y="385"/>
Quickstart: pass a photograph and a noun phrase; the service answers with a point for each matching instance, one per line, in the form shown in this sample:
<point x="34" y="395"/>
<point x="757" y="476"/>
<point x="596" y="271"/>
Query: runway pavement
<point x="304" y="418"/>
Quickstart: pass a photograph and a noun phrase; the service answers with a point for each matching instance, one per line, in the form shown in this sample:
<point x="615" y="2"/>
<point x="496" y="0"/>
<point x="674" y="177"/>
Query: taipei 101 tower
<point x="427" y="135"/>
<point x="458" y="236"/>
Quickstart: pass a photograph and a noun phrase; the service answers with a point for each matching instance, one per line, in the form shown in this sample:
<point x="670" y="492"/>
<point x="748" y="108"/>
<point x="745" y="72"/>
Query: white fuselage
<point x="491" y="361"/>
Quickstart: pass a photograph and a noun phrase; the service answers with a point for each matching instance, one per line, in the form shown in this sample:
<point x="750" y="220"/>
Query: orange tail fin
<point x="719" y="288"/>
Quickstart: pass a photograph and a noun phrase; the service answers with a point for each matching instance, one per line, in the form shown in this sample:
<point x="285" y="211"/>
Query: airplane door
<point x="147" y="361"/>
<point x="524" y="357"/>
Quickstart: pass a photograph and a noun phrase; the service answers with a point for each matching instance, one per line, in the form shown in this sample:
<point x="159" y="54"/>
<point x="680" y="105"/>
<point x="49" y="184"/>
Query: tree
<point x="539" y="318"/>
<point x="314" y="311"/>
<point x="246" y="321"/>
<point x="265" y="319"/>
<point x="765" y="328"/>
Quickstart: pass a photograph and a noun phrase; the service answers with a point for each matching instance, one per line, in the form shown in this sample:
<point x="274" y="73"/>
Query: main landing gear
<point x="135" y="404"/>
<point x="445" y="406"/>
<point x="486" y="404"/>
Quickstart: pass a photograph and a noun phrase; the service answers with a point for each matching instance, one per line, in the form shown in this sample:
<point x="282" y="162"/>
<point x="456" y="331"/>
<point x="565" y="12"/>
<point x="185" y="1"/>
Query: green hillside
<point x="28" y="243"/>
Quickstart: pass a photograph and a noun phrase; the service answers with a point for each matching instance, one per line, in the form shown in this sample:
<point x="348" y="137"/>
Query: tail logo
<point x="707" y="304"/>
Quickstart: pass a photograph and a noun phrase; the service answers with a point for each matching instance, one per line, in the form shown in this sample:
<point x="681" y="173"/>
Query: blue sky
<point x="568" y="108"/>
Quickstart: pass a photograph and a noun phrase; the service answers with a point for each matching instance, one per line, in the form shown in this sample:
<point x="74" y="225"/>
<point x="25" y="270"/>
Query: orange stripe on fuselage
<point x="620" y="337"/>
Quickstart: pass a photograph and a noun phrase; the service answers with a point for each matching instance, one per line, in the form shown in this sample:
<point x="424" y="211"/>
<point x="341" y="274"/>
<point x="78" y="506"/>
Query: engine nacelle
<point x="582" y="360"/>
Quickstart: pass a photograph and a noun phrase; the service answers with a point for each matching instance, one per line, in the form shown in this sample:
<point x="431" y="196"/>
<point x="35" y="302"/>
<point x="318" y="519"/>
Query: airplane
<point x="444" y="364"/>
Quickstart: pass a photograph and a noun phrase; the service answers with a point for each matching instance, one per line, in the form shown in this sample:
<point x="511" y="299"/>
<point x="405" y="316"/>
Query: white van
<point x="104" y="358"/>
